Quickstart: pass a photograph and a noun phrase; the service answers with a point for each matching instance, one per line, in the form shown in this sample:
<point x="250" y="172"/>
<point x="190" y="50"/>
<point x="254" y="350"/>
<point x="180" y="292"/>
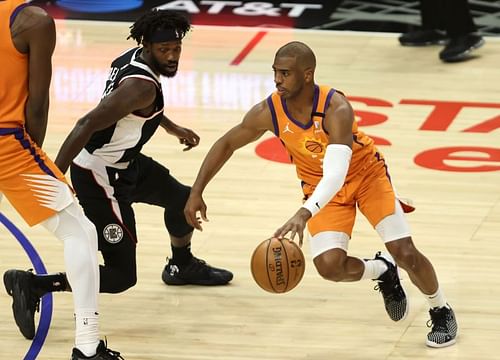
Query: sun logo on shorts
<point x="113" y="233"/>
<point x="314" y="146"/>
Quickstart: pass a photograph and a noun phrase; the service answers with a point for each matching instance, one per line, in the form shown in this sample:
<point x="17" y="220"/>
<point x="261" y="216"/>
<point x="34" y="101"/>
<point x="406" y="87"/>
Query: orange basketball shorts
<point x="370" y="190"/>
<point x="32" y="183"/>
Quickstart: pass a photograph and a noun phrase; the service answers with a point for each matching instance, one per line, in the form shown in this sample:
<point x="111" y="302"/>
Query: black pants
<point x="107" y="194"/>
<point x="452" y="16"/>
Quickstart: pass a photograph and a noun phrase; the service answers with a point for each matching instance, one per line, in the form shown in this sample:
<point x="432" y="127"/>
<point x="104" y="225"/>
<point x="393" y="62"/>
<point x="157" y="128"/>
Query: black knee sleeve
<point x="175" y="221"/>
<point x="119" y="271"/>
<point x="114" y="280"/>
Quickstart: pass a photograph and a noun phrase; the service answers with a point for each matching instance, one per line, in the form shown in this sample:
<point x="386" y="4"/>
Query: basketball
<point x="277" y="265"/>
<point x="314" y="147"/>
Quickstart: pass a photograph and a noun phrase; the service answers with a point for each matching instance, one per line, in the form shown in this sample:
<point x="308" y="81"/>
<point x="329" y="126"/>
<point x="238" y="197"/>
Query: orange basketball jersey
<point x="28" y="178"/>
<point x="367" y="182"/>
<point x="13" y="69"/>
<point x="306" y="143"/>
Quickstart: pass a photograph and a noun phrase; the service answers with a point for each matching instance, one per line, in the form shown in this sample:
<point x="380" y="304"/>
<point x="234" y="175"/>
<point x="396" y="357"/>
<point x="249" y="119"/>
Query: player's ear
<point x="309" y="75"/>
<point x="147" y="46"/>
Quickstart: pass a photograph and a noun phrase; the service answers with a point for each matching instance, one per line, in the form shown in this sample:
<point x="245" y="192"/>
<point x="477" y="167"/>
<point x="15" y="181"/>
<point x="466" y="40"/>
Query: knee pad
<point x="176" y="223"/>
<point x="328" y="240"/>
<point x="394" y="226"/>
<point x="70" y="221"/>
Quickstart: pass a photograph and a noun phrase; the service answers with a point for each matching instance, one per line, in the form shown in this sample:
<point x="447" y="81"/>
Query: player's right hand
<point x="195" y="205"/>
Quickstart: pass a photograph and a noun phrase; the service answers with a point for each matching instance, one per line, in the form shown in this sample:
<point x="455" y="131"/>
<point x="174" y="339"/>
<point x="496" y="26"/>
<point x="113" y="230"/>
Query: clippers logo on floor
<point x="113" y="233"/>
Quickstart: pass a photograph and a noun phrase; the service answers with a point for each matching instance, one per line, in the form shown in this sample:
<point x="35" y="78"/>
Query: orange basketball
<point x="277" y="265"/>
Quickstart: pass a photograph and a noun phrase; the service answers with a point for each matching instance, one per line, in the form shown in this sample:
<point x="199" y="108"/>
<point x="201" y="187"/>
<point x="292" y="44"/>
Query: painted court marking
<point x="46" y="306"/>
<point x="248" y="48"/>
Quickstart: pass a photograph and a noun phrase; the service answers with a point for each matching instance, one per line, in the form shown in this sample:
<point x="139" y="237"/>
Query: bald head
<point x="302" y="53"/>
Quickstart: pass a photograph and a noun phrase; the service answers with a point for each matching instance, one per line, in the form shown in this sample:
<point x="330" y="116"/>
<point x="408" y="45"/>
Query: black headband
<point x="164" y="35"/>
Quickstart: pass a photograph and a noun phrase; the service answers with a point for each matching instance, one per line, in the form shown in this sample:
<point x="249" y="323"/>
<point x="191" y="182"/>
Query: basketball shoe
<point x="195" y="272"/>
<point x="25" y="299"/>
<point x="444" y="327"/>
<point x="103" y="353"/>
<point x="423" y="38"/>
<point x="389" y="285"/>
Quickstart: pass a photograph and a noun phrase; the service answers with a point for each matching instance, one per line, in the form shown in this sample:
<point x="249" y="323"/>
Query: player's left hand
<point x="295" y="225"/>
<point x="195" y="205"/>
<point x="187" y="137"/>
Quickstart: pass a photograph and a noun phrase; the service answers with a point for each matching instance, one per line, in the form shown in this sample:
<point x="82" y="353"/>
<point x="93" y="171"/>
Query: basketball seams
<point x="287" y="264"/>
<point x="269" y="241"/>
<point x="303" y="262"/>
<point x="300" y="255"/>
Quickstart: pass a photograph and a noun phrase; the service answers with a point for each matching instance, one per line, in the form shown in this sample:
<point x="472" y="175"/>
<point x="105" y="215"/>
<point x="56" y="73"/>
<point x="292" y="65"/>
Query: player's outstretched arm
<point x="186" y="136"/>
<point x="132" y="95"/>
<point x="255" y="123"/>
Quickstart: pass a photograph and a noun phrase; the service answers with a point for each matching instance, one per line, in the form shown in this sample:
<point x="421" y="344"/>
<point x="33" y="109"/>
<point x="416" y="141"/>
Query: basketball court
<point x="439" y="128"/>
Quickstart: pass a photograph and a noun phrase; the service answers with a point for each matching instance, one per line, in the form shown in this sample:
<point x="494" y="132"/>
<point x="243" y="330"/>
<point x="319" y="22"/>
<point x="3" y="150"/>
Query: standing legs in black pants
<point x="446" y="22"/>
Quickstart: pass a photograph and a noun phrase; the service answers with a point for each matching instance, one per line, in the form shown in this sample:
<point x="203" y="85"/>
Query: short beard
<point x="156" y="66"/>
<point x="168" y="74"/>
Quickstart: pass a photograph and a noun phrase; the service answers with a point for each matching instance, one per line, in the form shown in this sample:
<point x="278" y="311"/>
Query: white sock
<point x="373" y="269"/>
<point x="436" y="300"/>
<point x="87" y="325"/>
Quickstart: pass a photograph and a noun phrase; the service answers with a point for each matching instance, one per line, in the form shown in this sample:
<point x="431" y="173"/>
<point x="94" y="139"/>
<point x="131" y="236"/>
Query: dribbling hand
<point x="295" y="225"/>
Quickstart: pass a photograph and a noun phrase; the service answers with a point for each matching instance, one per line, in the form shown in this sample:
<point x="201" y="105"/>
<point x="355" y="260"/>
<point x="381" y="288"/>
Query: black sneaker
<point x="196" y="272"/>
<point x="444" y="327"/>
<point x="423" y="38"/>
<point x="25" y="301"/>
<point x="103" y="353"/>
<point x="395" y="301"/>
<point x="459" y="48"/>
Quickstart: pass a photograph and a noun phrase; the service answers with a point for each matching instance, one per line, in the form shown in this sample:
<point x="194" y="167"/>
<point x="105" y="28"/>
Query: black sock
<point x="48" y="283"/>
<point x="181" y="255"/>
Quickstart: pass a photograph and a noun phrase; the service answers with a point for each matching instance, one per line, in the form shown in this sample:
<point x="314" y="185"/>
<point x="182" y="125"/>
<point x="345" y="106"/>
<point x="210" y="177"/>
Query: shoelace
<point x="114" y="354"/>
<point x="199" y="266"/>
<point x="199" y="261"/>
<point x="438" y="321"/>
<point x="111" y="353"/>
<point x="196" y="261"/>
<point x="388" y="290"/>
<point x="384" y="290"/>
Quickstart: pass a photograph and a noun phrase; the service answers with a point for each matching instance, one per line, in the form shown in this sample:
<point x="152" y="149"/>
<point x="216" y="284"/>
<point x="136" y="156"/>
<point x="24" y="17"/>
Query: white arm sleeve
<point x="335" y="166"/>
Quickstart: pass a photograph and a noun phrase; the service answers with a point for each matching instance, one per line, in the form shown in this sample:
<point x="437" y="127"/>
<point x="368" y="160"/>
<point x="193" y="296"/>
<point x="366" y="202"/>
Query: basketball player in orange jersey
<point x="339" y="168"/>
<point x="30" y="180"/>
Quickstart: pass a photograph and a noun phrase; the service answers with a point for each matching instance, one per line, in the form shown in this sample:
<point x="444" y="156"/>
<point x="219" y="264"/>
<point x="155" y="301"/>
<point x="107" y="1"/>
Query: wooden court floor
<point x="440" y="129"/>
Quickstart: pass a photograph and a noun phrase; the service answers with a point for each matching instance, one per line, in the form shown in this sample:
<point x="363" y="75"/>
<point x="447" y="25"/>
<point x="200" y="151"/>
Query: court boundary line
<point x="47" y="302"/>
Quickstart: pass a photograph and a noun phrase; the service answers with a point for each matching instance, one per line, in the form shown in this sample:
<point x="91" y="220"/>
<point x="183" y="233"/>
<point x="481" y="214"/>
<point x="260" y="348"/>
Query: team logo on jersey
<point x="314" y="146"/>
<point x="317" y="127"/>
<point x="113" y="233"/>
<point x="287" y="129"/>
